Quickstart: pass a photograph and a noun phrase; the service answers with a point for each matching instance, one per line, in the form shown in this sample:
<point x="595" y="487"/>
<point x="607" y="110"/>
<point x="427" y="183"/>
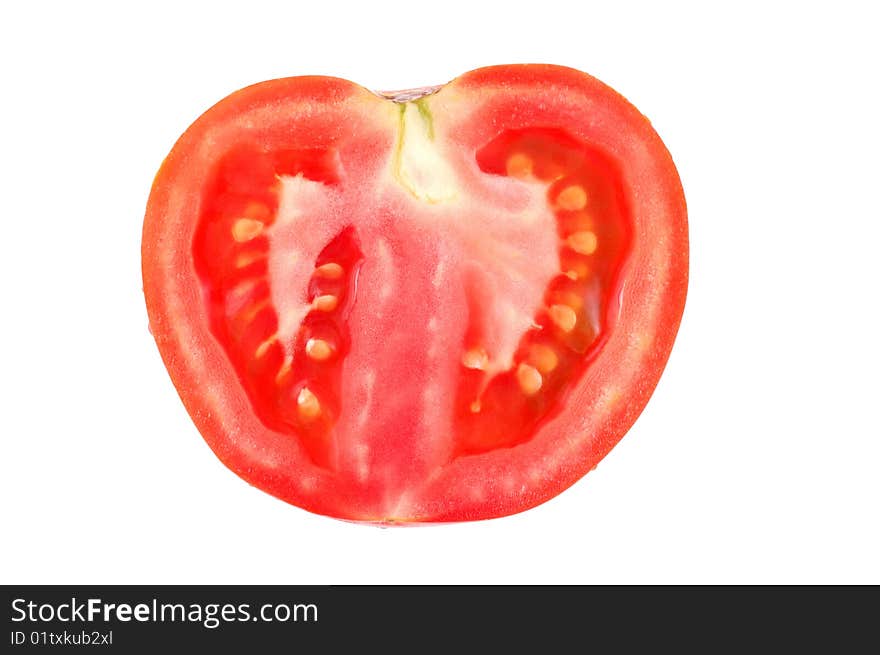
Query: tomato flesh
<point x="400" y="299"/>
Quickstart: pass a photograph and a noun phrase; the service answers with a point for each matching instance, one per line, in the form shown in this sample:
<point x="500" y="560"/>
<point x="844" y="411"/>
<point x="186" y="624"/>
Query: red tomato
<point x="435" y="305"/>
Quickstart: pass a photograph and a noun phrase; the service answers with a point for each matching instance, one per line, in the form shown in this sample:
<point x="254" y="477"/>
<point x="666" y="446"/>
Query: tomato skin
<point x="327" y="112"/>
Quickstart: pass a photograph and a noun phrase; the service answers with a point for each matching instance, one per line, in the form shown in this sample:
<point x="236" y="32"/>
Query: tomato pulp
<point x="433" y="305"/>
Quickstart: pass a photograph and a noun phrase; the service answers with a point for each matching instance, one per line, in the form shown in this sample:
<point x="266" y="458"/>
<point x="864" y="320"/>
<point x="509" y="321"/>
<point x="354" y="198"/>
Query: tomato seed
<point x="331" y="271"/>
<point x="318" y="349"/>
<point x="325" y="303"/>
<point x="563" y="317"/>
<point x="583" y="243"/>
<point x="263" y="348"/>
<point x="572" y="198"/>
<point x="245" y="229"/>
<point x="519" y="165"/>
<point x="307" y="404"/>
<point x="529" y="379"/>
<point x="475" y="358"/>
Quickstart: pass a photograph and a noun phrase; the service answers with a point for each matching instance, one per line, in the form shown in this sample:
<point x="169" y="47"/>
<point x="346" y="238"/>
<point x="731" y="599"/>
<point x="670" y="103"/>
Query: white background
<point x="758" y="457"/>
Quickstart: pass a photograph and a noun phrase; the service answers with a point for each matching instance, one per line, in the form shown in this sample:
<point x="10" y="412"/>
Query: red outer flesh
<point x="601" y="406"/>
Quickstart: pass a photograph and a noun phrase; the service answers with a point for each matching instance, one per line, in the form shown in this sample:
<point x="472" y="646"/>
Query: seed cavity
<point x="325" y="303"/>
<point x="543" y="358"/>
<point x="331" y="271"/>
<point x="583" y="243"/>
<point x="529" y="379"/>
<point x="245" y="229"/>
<point x="519" y="165"/>
<point x="572" y="198"/>
<point x="579" y="186"/>
<point x="475" y="358"/>
<point x="307" y="404"/>
<point x="318" y="350"/>
<point x="563" y="317"/>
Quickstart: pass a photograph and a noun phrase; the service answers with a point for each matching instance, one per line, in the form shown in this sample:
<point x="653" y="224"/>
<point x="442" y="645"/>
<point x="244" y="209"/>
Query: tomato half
<point x="434" y="305"/>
